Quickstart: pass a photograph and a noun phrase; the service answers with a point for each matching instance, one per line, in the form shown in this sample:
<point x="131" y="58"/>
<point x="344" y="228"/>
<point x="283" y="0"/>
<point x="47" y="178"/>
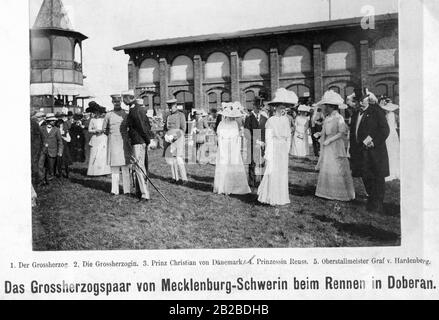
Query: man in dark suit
<point x="51" y="148"/>
<point x="36" y="142"/>
<point x="369" y="159"/>
<point x="254" y="126"/>
<point x="139" y="132"/>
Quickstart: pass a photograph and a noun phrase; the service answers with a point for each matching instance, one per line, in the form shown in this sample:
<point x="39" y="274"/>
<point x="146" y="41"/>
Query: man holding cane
<point x="139" y="130"/>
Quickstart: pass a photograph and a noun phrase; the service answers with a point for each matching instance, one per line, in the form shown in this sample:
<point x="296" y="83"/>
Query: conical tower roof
<point x="52" y="14"/>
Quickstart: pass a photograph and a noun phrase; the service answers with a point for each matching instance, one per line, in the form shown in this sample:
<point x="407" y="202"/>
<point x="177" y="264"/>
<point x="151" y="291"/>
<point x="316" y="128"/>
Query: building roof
<point x="321" y="25"/>
<point x="52" y="14"/>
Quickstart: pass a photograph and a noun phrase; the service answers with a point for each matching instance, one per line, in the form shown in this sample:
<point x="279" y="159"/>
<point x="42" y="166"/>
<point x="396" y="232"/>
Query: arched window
<point x="62" y="49"/>
<point x="299" y="89"/>
<point x="182" y="69"/>
<point x="40" y="48"/>
<point x="296" y="59"/>
<point x="186" y="99"/>
<point x="385" y="52"/>
<point x="225" y="97"/>
<point x="213" y="103"/>
<point x="78" y="55"/>
<point x="335" y="89"/>
<point x="149" y="72"/>
<point x="217" y="66"/>
<point x="250" y="99"/>
<point x="255" y="63"/>
<point x="341" y="55"/>
<point x="381" y="89"/>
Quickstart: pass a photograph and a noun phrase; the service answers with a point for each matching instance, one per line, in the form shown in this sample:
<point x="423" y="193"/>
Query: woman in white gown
<point x="230" y="175"/>
<point x="97" y="165"/>
<point x="273" y="189"/>
<point x="392" y="141"/>
<point x="300" y="142"/>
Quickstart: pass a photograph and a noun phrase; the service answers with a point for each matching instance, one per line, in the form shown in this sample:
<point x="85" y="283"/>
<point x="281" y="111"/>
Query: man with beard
<point x="369" y="158"/>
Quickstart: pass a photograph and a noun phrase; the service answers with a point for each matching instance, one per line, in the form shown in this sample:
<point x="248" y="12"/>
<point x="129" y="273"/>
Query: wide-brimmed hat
<point x="304" y="108"/>
<point x="331" y="97"/>
<point x="231" y="110"/>
<point x="51" y="117"/>
<point x="390" y="107"/>
<point x="129" y="93"/>
<point x="284" y="96"/>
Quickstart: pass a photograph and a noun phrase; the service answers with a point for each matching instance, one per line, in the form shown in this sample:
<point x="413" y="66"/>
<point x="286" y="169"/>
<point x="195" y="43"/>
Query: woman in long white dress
<point x="230" y="175"/>
<point x="335" y="179"/>
<point x="98" y="165"/>
<point x="392" y="142"/>
<point x="273" y="189"/>
<point x="300" y="141"/>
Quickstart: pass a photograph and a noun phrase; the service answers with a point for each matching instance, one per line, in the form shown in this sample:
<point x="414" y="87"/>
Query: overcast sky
<point x="109" y="23"/>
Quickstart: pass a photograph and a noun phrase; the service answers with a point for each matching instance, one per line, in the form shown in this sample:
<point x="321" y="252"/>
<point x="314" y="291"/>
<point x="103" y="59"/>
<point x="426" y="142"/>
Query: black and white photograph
<point x="213" y="124"/>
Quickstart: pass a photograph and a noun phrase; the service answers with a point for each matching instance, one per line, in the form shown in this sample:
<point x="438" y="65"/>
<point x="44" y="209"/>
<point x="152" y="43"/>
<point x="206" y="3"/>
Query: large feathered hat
<point x="331" y="97"/>
<point x="231" y="110"/>
<point x="284" y="96"/>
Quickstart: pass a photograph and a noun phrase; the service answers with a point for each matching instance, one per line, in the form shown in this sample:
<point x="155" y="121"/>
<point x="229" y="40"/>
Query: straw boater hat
<point x="50" y="117"/>
<point x="331" y="97"/>
<point x="232" y="110"/>
<point x="390" y="107"/>
<point x="285" y="97"/>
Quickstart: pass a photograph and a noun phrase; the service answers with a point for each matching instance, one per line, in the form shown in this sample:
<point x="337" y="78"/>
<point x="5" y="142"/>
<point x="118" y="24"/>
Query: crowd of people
<point x="251" y="150"/>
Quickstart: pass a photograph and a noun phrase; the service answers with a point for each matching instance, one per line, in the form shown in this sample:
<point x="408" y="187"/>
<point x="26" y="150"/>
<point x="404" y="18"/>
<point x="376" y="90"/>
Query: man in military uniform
<point x="139" y="130"/>
<point x="175" y="128"/>
<point x="118" y="150"/>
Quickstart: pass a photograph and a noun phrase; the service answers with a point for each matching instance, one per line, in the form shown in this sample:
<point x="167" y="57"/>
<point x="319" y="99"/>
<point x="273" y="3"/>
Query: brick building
<point x="203" y="71"/>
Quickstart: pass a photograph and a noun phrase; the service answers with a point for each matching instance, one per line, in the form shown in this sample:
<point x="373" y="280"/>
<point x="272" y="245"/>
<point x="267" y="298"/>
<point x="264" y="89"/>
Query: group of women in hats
<point x="335" y="180"/>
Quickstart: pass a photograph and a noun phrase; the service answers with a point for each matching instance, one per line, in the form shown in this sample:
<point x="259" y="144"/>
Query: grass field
<point x="80" y="214"/>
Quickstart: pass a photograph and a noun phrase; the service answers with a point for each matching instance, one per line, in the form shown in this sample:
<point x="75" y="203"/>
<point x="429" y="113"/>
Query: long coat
<point x="52" y="142"/>
<point x="36" y="139"/>
<point x="373" y="161"/>
<point x="255" y="130"/>
<point x="118" y="147"/>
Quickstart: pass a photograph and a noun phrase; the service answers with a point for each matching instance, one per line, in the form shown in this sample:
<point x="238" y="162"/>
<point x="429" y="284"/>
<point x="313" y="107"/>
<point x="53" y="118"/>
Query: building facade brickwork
<point x="336" y="55"/>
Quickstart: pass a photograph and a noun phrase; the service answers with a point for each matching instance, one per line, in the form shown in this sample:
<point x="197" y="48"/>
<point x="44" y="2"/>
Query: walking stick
<point x="136" y="163"/>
